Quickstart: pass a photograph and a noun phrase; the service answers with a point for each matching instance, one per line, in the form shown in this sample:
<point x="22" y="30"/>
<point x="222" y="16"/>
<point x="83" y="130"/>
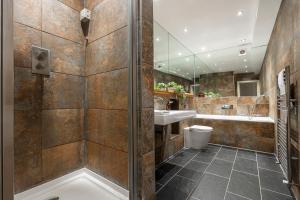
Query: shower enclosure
<point x="86" y="116"/>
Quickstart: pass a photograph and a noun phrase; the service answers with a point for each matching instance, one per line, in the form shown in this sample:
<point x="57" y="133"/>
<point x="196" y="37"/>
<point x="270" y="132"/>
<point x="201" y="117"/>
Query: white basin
<point x="165" y="117"/>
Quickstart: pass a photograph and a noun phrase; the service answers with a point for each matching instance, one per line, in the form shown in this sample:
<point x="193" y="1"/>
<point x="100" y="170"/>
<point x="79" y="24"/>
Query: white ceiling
<point x="214" y="33"/>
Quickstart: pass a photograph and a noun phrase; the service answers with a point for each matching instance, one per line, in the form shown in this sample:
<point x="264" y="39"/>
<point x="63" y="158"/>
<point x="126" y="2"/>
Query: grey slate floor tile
<point x="245" y="185"/>
<point x="211" y="187"/>
<point x="221" y="168"/>
<point x="246" y="165"/>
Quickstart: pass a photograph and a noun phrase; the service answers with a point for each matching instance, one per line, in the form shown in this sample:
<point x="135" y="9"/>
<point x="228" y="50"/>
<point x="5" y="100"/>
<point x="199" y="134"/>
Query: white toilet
<point x="197" y="137"/>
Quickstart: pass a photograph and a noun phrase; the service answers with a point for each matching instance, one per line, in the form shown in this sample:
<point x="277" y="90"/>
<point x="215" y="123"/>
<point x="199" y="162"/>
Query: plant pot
<point x="171" y="89"/>
<point x="162" y="89"/>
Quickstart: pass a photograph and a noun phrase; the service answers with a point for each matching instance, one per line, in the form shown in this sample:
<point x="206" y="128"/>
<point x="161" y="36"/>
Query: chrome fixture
<point x="40" y="61"/>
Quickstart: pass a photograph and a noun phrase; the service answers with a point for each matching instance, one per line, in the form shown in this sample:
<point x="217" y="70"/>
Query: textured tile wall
<point x="146" y="150"/>
<point x="107" y="90"/>
<point x="223" y="83"/>
<point x="48" y="110"/>
<point x="256" y="106"/>
<point x="249" y="135"/>
<point x="283" y="50"/>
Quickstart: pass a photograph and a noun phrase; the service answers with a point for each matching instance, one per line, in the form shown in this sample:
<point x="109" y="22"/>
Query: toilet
<point x="197" y="137"/>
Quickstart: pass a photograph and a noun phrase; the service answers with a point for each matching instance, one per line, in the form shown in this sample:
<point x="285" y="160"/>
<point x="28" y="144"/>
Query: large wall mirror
<point x="205" y="57"/>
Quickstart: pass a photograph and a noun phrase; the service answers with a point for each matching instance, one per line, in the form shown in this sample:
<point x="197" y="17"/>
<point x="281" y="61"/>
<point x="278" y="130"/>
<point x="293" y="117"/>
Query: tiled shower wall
<point x="78" y="116"/>
<point x="107" y="88"/>
<point x="48" y="110"/>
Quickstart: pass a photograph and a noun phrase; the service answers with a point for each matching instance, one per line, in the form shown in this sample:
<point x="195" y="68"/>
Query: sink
<point x="165" y="117"/>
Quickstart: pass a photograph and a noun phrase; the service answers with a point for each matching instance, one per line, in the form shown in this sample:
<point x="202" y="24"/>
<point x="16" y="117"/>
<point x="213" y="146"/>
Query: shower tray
<point x="78" y="185"/>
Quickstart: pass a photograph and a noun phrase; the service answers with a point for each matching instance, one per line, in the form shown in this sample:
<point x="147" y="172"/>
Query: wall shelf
<point x="159" y="92"/>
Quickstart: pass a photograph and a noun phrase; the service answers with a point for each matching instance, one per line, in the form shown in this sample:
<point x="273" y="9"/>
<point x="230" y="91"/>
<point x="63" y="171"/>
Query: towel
<point x="281" y="83"/>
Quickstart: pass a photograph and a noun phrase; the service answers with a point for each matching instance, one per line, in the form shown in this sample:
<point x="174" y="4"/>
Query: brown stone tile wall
<point x="223" y="83"/>
<point x="250" y="135"/>
<point x="256" y="106"/>
<point x="107" y="90"/>
<point x="146" y="137"/>
<point x="161" y="100"/>
<point x="283" y="50"/>
<point x="48" y="110"/>
<point x="174" y="143"/>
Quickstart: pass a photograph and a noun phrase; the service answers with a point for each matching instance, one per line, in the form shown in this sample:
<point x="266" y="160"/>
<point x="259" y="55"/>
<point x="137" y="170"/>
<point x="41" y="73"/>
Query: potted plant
<point x="180" y="92"/>
<point x="211" y="94"/>
<point x="161" y="87"/>
<point x="172" y="86"/>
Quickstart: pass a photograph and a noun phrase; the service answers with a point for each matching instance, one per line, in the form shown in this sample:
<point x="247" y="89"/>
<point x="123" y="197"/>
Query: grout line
<point x="245" y="172"/>
<point x="217" y="175"/>
<point x="270" y="170"/>
<point x="107" y="34"/>
<point x="105" y="71"/>
<point x="276" y="192"/>
<point x="254" y="151"/>
<point x="176" y="172"/>
<point x="230" y="175"/>
<point x="258" y="176"/>
<point x="186" y="177"/>
<point x="223" y="160"/>
<point x="239" y="195"/>
<point x="204" y="172"/>
<point x="202" y="161"/>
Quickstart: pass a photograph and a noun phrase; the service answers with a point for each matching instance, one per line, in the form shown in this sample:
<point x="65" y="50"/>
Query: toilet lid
<point x="203" y="128"/>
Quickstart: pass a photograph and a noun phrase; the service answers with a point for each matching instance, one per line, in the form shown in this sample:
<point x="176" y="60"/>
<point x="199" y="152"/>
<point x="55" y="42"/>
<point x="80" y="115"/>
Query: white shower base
<point x="79" y="185"/>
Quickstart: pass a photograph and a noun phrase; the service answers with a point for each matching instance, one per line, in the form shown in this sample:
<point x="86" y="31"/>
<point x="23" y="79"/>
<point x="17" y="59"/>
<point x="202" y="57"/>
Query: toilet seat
<point x="197" y="137"/>
<point x="197" y="128"/>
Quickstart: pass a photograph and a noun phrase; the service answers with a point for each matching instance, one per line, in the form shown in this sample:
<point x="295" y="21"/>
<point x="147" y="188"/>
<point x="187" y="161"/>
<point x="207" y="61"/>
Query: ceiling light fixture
<point x="246" y="66"/>
<point x="245" y="60"/>
<point x="208" y="55"/>
<point x="157" y="39"/>
<point x="242" y="52"/>
<point x="203" y="48"/>
<point x="187" y="60"/>
<point x="243" y="40"/>
<point x="240" y="13"/>
<point x="180" y="54"/>
<point x="185" y="30"/>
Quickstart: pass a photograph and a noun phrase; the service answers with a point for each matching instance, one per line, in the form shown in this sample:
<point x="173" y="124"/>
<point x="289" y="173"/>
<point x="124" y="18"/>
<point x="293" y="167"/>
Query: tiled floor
<point x="220" y="173"/>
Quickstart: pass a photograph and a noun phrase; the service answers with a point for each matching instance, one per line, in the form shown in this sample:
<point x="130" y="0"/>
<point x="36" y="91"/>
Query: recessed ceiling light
<point x="157" y="39"/>
<point x="180" y="54"/>
<point x="245" y="60"/>
<point x="243" y="40"/>
<point x="215" y="64"/>
<point x="246" y="71"/>
<point x="185" y="30"/>
<point x="208" y="55"/>
<point x="242" y="52"/>
<point x="203" y="48"/>
<point x="240" y="13"/>
<point x="187" y="59"/>
<point x="246" y="66"/>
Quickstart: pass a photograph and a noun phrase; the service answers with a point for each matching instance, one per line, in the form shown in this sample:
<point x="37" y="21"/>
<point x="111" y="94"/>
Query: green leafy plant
<point x="211" y="94"/>
<point x="160" y="86"/>
<point x="180" y="92"/>
<point x="172" y="84"/>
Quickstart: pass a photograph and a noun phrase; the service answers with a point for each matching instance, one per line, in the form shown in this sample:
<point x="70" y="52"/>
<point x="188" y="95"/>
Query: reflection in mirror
<point x="210" y="57"/>
<point x="174" y="63"/>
